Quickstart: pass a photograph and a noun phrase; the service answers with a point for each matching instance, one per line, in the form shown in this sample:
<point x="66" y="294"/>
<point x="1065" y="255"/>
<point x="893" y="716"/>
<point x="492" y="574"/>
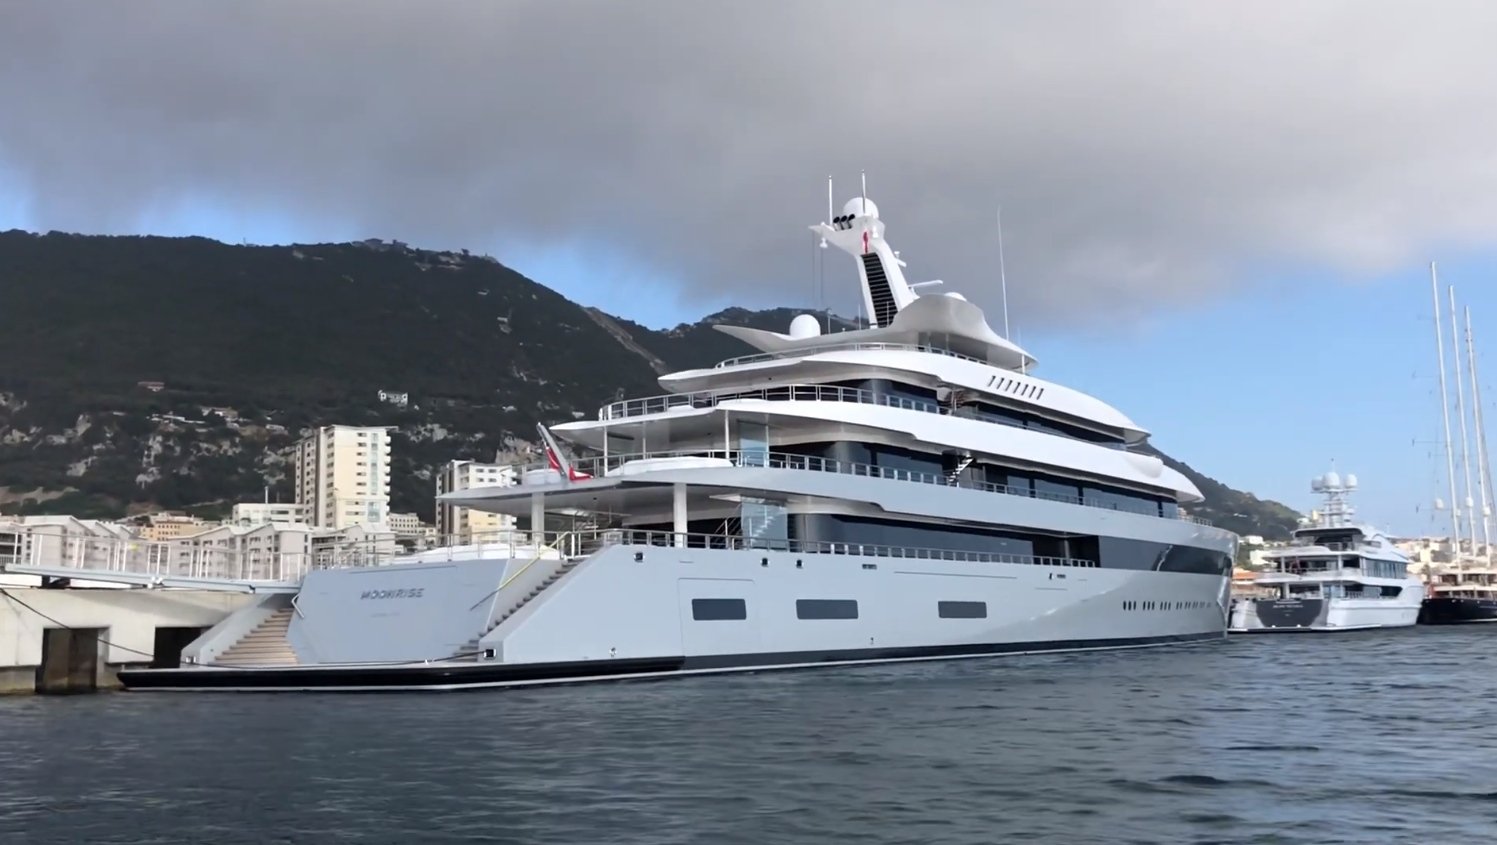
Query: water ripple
<point x="1375" y="738"/>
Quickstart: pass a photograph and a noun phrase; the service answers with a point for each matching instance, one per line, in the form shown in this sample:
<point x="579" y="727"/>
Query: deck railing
<point x="844" y="347"/>
<point x="144" y="560"/>
<point x="162" y="560"/>
<point x="781" y="393"/>
<point x="600" y="466"/>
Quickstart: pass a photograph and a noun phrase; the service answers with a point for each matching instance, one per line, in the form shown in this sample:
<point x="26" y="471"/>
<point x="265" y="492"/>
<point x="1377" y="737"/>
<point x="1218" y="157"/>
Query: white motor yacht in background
<point x="907" y="491"/>
<point x="1335" y="576"/>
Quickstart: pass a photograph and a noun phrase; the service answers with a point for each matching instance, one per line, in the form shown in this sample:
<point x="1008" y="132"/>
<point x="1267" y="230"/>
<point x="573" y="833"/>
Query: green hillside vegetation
<point x="251" y="345"/>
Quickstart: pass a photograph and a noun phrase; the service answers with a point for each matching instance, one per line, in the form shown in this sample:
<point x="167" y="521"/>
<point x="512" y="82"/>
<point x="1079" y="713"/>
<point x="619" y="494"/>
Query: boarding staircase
<point x="266" y="645"/>
<point x="472" y="648"/>
<point x="884" y="306"/>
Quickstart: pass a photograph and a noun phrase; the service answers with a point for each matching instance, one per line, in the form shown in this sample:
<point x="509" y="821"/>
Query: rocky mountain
<point x="140" y="373"/>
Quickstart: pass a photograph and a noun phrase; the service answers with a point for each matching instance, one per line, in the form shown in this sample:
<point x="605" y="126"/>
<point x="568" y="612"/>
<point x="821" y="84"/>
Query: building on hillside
<point x="268" y="551"/>
<point x="270" y="513"/>
<point x="1426" y="550"/>
<point x="170" y="526"/>
<point x="278" y="551"/>
<point x="465" y="525"/>
<point x="408" y="526"/>
<point x="367" y="544"/>
<point x="343" y="476"/>
<point x="260" y="552"/>
<point x="55" y="540"/>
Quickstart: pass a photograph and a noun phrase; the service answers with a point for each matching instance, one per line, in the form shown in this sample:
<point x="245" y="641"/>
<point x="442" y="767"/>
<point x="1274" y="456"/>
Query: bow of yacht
<point x="906" y="491"/>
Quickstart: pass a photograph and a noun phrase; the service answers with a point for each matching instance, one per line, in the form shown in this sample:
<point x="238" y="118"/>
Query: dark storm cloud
<point x="1144" y="153"/>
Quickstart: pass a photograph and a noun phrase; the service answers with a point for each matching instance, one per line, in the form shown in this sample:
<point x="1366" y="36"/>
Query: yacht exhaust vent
<point x="884" y="307"/>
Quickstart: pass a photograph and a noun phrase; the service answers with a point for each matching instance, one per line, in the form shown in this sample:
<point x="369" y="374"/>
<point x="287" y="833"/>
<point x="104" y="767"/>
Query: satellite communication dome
<point x="858" y="207"/>
<point x="804" y="326"/>
<point x="955" y="295"/>
<point x="1332" y="480"/>
<point x="1317" y="485"/>
<point x="1351" y="482"/>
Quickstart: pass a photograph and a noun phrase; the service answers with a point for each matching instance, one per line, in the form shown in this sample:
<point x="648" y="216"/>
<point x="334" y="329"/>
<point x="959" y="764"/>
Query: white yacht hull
<point x="1252" y="616"/>
<point x="634" y="612"/>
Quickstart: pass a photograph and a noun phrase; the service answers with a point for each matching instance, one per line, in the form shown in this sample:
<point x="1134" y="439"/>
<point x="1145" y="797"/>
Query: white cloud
<point x="1142" y="152"/>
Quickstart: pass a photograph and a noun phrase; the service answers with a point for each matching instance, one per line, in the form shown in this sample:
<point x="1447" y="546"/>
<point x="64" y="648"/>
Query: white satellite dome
<point x="804" y="326"/>
<point x="858" y="206"/>
<point x="1317" y="485"/>
<point x="1331" y="480"/>
<point x="1351" y="482"/>
<point x="955" y="295"/>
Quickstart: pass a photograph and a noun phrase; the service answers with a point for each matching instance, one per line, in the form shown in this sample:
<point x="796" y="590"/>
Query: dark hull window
<point x="711" y="610"/>
<point x="962" y="609"/>
<point x="826" y="609"/>
<point x="853" y="530"/>
<point x="1118" y="553"/>
<point x="896" y="462"/>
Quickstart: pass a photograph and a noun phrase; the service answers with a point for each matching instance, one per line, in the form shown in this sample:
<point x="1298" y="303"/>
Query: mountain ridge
<point x="143" y="372"/>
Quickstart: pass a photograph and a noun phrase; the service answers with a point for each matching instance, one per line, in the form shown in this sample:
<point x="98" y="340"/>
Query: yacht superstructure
<point x="905" y="491"/>
<point x="1336" y="575"/>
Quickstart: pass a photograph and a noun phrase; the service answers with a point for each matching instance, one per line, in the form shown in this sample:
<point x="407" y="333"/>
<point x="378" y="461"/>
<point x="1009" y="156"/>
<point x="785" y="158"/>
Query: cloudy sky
<point x="1217" y="216"/>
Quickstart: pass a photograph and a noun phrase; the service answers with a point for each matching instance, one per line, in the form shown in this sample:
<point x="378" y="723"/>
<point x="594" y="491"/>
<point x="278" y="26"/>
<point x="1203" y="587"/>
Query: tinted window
<point x="704" y="610"/>
<point x="962" y="609"/>
<point x="826" y="609"/>
<point x="1118" y="500"/>
<point x="853" y="530"/>
<point x="1056" y="490"/>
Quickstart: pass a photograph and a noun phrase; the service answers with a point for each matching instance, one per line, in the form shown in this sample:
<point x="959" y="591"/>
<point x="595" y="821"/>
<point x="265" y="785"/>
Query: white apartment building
<point x="343" y="476"/>
<point x="64" y="541"/>
<point x="408" y="526"/>
<point x="170" y="526"/>
<point x="464" y="525"/>
<point x="269" y="513"/>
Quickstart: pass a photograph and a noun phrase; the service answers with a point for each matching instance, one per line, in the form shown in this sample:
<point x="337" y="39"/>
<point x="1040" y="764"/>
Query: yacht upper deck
<point x="856" y="346"/>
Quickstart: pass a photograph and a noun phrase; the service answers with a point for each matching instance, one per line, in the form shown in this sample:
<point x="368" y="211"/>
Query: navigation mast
<point x="1455" y="512"/>
<point x="1483" y="457"/>
<point x="1460" y="411"/>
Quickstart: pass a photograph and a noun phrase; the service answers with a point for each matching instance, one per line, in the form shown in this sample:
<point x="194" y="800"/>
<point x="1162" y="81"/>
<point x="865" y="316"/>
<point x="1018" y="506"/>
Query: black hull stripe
<point x="459" y="675"/>
<point x="1457" y="611"/>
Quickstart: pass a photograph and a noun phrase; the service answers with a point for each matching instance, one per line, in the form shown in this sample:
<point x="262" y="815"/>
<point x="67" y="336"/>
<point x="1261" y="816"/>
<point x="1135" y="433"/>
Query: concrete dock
<point x="77" y="639"/>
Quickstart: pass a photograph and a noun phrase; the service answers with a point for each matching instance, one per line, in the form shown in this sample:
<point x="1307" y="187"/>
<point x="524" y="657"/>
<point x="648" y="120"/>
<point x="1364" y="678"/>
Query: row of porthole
<point x="1167" y="605"/>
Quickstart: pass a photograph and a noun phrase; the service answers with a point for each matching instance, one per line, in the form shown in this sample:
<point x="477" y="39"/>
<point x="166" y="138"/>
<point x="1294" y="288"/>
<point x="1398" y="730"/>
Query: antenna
<point x="829" y="204"/>
<point x="1483" y="465"/>
<point x="1002" y="276"/>
<point x="1455" y="511"/>
<point x="864" y="174"/>
<point x="1460" y="410"/>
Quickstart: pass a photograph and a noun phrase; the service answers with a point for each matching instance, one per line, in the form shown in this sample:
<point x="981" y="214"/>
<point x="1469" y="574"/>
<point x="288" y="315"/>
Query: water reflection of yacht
<point x="1335" y="576"/>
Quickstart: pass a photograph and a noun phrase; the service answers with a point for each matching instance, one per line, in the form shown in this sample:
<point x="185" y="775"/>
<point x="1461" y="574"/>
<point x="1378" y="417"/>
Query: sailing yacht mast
<point x="1460" y="411"/>
<point x="1455" y="512"/>
<point x="1483" y="458"/>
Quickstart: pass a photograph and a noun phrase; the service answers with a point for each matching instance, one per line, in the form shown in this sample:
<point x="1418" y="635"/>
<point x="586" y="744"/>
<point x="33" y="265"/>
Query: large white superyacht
<point x="905" y="491"/>
<point x="1336" y="575"/>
